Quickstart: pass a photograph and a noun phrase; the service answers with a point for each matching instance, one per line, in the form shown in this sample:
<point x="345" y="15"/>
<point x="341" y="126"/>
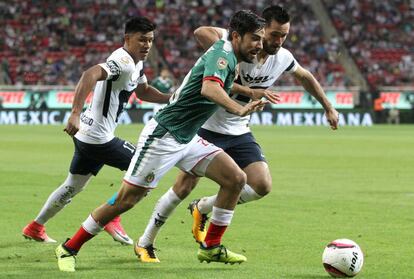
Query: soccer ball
<point x="342" y="258"/>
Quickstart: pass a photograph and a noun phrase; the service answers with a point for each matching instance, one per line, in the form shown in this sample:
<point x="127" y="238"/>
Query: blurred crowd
<point x="52" y="42"/>
<point x="379" y="36"/>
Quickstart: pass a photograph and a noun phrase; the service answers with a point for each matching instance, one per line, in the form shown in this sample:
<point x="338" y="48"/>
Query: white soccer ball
<point x="342" y="258"/>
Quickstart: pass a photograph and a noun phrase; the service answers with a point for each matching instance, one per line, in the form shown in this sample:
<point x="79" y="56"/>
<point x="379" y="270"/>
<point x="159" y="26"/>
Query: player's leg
<point x="223" y="170"/>
<point x="157" y="152"/>
<point x="124" y="200"/>
<point x="118" y="153"/>
<point x="81" y="170"/>
<point x="249" y="157"/>
<point x="164" y="207"/>
<point x="57" y="200"/>
<point x="259" y="184"/>
<point x="208" y="160"/>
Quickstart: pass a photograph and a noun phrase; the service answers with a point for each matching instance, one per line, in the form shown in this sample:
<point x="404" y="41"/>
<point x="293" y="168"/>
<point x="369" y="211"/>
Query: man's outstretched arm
<point x="312" y="86"/>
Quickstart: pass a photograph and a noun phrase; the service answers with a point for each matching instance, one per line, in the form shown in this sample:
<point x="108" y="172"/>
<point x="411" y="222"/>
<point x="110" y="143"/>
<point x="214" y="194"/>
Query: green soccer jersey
<point x="188" y="109"/>
<point x="163" y="85"/>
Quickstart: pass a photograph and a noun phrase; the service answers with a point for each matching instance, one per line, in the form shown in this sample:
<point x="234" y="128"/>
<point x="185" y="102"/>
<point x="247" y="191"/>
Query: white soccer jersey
<point x="110" y="97"/>
<point x="253" y="75"/>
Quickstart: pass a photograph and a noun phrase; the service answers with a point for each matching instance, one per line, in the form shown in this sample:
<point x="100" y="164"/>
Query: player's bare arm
<point x="256" y="93"/>
<point x="206" y="36"/>
<point x="311" y="85"/>
<point x="213" y="91"/>
<point x="85" y="85"/>
<point x="149" y="93"/>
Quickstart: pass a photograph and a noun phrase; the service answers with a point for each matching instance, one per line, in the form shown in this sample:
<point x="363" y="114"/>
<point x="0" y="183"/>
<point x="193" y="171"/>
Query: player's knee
<point x="238" y="180"/>
<point x="261" y="184"/>
<point x="262" y="187"/>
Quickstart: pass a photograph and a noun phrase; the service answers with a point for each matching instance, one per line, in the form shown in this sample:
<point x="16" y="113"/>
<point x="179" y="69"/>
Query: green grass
<point x="355" y="183"/>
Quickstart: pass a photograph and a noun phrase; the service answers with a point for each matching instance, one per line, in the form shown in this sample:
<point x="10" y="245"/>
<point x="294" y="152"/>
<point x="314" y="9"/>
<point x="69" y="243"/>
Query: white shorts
<point x="158" y="151"/>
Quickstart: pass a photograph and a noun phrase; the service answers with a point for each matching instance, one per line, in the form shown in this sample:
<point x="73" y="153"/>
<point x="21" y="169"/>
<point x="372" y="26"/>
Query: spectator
<point x="164" y="84"/>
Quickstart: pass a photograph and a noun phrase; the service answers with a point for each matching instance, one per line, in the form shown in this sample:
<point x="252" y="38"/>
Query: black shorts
<point x="90" y="158"/>
<point x="243" y="148"/>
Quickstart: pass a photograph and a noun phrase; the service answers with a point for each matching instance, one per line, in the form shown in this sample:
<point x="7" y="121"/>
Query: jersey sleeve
<point x="142" y="77"/>
<point x="115" y="66"/>
<point x="291" y="63"/>
<point x="218" y="66"/>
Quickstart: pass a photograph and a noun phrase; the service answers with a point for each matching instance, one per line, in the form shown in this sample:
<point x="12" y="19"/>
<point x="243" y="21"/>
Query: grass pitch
<point x="355" y="183"/>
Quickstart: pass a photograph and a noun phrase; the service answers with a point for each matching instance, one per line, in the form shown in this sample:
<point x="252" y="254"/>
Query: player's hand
<point x="73" y="125"/>
<point x="270" y="95"/>
<point x="333" y="117"/>
<point x="253" y="106"/>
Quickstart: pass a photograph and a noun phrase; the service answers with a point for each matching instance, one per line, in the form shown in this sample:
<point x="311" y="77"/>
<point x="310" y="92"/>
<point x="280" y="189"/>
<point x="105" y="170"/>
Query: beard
<point x="244" y="55"/>
<point x="269" y="49"/>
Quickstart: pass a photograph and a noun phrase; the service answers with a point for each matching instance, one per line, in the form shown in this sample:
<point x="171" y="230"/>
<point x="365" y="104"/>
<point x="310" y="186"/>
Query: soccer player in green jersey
<point x="170" y="139"/>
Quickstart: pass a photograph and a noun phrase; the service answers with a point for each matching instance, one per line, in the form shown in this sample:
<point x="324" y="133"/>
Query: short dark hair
<point x="139" y="24"/>
<point x="245" y="21"/>
<point x="276" y="13"/>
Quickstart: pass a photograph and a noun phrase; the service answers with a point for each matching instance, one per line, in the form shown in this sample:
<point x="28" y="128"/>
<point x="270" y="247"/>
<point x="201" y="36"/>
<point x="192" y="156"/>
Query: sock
<point x="205" y="205"/>
<point x="73" y="184"/>
<point x="248" y="194"/>
<point x="220" y="220"/>
<point x="163" y="209"/>
<point x="87" y="231"/>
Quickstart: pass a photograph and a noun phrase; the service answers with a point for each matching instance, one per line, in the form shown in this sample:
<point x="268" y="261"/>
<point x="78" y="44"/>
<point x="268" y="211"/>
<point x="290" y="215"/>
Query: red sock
<point x="214" y="234"/>
<point x="80" y="237"/>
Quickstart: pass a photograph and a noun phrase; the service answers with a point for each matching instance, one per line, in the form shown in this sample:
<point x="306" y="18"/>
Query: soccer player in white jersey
<point x="93" y="131"/>
<point x="232" y="133"/>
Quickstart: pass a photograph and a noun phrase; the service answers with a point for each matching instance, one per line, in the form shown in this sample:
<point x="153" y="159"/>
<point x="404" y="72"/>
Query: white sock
<point x="91" y="226"/>
<point x="163" y="209"/>
<point x="248" y="194"/>
<point x="221" y="216"/>
<point x="73" y="184"/>
<point x="205" y="205"/>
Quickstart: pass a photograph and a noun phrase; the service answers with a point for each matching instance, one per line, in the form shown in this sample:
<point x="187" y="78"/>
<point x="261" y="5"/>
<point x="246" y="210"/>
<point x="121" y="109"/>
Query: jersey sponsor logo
<point x="222" y="63"/>
<point x="259" y="79"/>
<point x="150" y="177"/>
<point x="86" y="120"/>
<point x="113" y="68"/>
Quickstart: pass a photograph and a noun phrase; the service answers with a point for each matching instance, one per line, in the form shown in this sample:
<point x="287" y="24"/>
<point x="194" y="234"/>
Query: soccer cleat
<point x="37" y="232"/>
<point x="115" y="229"/>
<point x="199" y="222"/>
<point x="66" y="259"/>
<point x="146" y="254"/>
<point x="219" y="254"/>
